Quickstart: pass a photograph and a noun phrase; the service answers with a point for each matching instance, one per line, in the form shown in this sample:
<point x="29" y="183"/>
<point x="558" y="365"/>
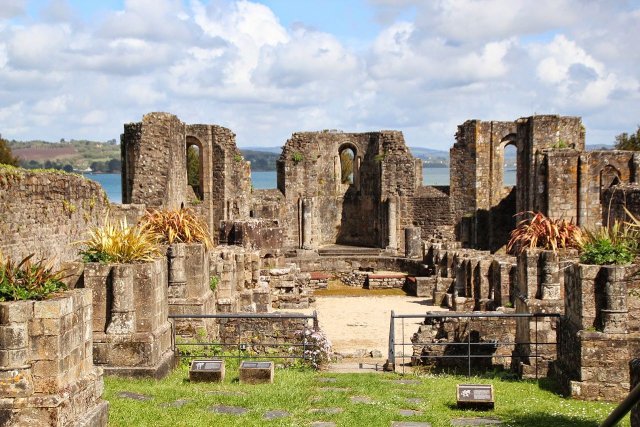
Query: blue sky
<point x="268" y="68"/>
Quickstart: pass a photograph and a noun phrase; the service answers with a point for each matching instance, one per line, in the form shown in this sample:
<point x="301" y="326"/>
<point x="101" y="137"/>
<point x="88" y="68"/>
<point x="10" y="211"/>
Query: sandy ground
<point x="362" y="323"/>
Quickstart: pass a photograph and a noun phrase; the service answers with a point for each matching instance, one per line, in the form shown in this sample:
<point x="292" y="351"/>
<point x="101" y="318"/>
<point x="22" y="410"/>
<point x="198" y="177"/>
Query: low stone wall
<point x="256" y="334"/>
<point x="347" y="264"/>
<point x="319" y="280"/>
<point x="289" y="287"/>
<point x="485" y="331"/>
<point x="47" y="376"/>
<point x="254" y="233"/>
<point x="131" y="331"/>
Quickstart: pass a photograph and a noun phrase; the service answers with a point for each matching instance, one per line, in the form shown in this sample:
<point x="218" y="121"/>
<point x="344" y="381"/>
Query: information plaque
<point x="479" y="396"/>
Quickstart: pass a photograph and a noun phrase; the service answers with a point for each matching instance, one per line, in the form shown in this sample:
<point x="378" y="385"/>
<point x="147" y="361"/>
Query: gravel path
<point x="357" y="324"/>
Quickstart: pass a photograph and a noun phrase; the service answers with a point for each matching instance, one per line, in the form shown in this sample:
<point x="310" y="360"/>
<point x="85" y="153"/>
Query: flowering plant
<point x="317" y="349"/>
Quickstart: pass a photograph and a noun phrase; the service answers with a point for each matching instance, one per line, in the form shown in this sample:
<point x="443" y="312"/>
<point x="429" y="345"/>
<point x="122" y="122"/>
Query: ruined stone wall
<point x="155" y="172"/>
<point x="45" y="212"/>
<point x="616" y="199"/>
<point x="479" y="199"/>
<point x="602" y="170"/>
<point x="430" y="210"/>
<point x="155" y="159"/>
<point x="309" y="174"/>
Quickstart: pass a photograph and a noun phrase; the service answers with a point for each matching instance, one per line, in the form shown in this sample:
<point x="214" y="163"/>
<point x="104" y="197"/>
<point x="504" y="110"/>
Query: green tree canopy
<point x="626" y="141"/>
<point x="6" y="156"/>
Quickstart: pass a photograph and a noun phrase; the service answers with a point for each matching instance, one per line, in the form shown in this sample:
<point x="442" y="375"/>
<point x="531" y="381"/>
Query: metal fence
<point x="468" y="345"/>
<point x="240" y="348"/>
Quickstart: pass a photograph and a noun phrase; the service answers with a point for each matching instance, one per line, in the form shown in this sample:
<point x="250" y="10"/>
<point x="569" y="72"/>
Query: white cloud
<point x="431" y="66"/>
<point x="12" y="8"/>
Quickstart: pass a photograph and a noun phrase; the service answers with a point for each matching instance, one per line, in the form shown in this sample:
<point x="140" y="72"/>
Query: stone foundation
<point x="131" y="331"/>
<point x="47" y="376"/>
<point x="189" y="289"/>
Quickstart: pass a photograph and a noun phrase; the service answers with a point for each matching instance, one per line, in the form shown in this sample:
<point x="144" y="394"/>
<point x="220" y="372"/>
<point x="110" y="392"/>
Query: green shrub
<point x="617" y="244"/>
<point x="29" y="280"/>
<point x="213" y="283"/>
<point x="604" y="252"/>
<point x="297" y="157"/>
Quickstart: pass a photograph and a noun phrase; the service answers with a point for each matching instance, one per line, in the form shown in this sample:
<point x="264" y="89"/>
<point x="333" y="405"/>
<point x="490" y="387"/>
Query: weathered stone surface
<point x="229" y="410"/>
<point x="134" y="396"/>
<point x="410" y="424"/>
<point x="328" y="411"/>
<point x="475" y="421"/>
<point x="409" y="412"/>
<point x="275" y="414"/>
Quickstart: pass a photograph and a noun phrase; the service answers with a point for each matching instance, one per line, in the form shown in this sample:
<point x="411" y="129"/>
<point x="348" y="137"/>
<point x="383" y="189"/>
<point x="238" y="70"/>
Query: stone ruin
<point x="350" y="205"/>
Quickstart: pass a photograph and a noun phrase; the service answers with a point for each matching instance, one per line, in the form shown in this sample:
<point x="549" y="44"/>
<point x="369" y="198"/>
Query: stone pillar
<point x="307" y="217"/>
<point x="356" y="172"/>
<point x="615" y="313"/>
<point x="177" y="275"/>
<point x="549" y="278"/>
<point x="392" y="224"/>
<point x="123" y="314"/>
<point x="413" y="242"/>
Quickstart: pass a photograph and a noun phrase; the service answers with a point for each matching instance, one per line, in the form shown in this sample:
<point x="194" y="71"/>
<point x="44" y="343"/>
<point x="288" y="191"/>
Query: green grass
<point x="518" y="403"/>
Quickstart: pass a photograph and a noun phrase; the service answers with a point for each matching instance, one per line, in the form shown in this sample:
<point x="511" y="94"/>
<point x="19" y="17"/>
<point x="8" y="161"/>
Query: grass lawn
<point x="303" y="394"/>
<point x="335" y="288"/>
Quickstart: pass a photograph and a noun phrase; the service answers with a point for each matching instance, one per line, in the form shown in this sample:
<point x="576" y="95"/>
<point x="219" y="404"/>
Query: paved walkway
<point x="358" y="326"/>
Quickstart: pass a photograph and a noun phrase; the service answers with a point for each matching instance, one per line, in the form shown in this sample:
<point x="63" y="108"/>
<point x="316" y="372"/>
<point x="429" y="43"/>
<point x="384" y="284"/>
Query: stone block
<point x="14" y="336"/>
<point x="15" y="312"/>
<point x="256" y="372"/>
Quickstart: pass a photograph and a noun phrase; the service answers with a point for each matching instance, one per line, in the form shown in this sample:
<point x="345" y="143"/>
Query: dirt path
<point x="357" y="324"/>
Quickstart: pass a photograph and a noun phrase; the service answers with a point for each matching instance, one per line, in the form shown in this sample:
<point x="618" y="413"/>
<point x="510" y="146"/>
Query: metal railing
<point x="468" y="344"/>
<point x="240" y="347"/>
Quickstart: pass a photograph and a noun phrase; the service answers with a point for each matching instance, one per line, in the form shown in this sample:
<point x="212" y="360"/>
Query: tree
<point x="624" y="141"/>
<point x="114" y="165"/>
<point x="346" y="165"/>
<point x="6" y="156"/>
<point x="193" y="166"/>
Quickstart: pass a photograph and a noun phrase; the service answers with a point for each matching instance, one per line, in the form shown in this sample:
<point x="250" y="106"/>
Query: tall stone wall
<point x="155" y="168"/>
<point x="45" y="212"/>
<point x="616" y="199"/>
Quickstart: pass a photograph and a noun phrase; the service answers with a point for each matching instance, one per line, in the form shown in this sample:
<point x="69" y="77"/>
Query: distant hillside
<point x="68" y="155"/>
<point x="261" y="160"/>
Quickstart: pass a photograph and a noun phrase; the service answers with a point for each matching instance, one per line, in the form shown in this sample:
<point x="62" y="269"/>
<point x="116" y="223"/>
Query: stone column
<point x="615" y="313"/>
<point x="413" y="242"/>
<point x="356" y="172"/>
<point x="392" y="221"/>
<point x="123" y="315"/>
<point x="549" y="278"/>
<point x="177" y="275"/>
<point x="307" y="217"/>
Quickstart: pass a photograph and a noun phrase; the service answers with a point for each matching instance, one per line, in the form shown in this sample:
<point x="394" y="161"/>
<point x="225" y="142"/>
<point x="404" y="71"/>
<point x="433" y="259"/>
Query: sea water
<point x="263" y="180"/>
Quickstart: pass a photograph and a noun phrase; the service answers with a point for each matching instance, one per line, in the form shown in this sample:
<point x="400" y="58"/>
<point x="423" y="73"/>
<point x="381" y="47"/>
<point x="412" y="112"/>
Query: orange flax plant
<point x="177" y="226"/>
<point x="540" y="231"/>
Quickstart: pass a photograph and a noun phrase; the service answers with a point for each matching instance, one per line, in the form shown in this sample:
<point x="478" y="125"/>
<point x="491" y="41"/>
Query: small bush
<point x="177" y="226"/>
<point x="540" y="231"/>
<point x="297" y="157"/>
<point x="617" y="244"/>
<point x="317" y="351"/>
<point x="120" y="243"/>
<point x="27" y="280"/>
<point x="213" y="283"/>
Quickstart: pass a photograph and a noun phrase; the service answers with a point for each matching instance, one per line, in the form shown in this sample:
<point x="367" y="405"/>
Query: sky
<point x="267" y="68"/>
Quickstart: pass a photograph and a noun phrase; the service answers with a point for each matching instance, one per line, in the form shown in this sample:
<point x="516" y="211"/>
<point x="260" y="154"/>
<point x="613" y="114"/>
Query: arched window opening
<point x="510" y="165"/>
<point x="347" y="162"/>
<point x="194" y="169"/>
<point x="609" y="176"/>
